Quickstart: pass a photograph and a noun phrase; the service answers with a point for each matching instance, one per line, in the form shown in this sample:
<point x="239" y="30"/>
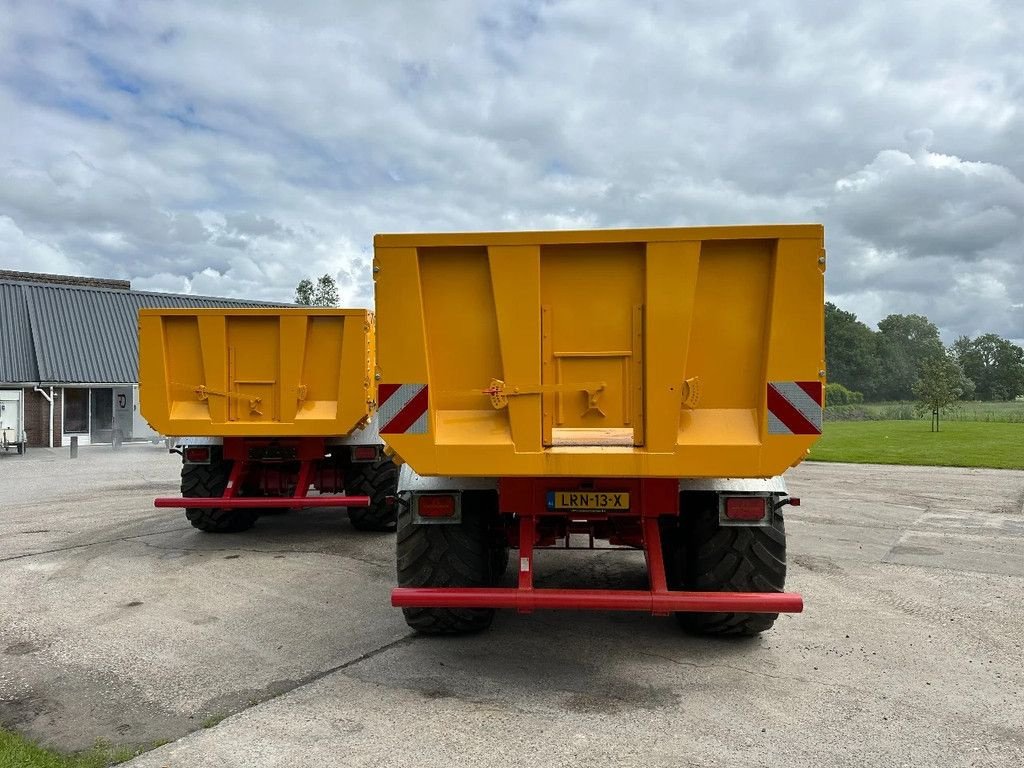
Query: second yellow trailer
<point x="645" y="387"/>
<point x="267" y="405"/>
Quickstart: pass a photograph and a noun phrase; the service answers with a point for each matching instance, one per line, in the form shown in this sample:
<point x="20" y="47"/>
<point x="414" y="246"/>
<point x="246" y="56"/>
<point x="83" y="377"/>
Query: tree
<point x="323" y="294"/>
<point x="905" y="344"/>
<point x="851" y="351"/>
<point x="940" y="384"/>
<point x="995" y="365"/>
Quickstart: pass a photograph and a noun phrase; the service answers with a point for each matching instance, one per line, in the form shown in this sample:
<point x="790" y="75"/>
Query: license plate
<point x="598" y="501"/>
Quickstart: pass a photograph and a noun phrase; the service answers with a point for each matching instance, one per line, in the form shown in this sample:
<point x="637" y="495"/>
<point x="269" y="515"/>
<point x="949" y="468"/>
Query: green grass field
<point x="1012" y="411"/>
<point x="17" y="752"/>
<point x="995" y="444"/>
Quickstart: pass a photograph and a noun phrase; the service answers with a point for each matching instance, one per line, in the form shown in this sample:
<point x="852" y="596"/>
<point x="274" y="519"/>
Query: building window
<point x="76" y="411"/>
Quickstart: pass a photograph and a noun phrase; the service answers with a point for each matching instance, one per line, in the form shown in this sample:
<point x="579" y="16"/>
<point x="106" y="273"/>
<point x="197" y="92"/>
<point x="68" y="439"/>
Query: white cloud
<point x="27" y="254"/>
<point x="934" y="234"/>
<point x="235" y="150"/>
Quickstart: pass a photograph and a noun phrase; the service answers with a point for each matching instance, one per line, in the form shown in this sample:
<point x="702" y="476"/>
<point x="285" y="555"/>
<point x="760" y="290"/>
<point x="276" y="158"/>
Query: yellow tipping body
<point x="256" y="372"/>
<point x="615" y="353"/>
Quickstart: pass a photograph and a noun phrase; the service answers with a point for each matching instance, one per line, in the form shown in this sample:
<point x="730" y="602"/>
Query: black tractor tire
<point x="450" y="555"/>
<point x="379" y="481"/>
<point x="209" y="481"/>
<point x="499" y="562"/>
<point x="709" y="557"/>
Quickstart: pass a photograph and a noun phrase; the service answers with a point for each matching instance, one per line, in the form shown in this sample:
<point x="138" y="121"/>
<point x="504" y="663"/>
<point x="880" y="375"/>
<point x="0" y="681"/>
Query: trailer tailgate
<point x="256" y="372"/>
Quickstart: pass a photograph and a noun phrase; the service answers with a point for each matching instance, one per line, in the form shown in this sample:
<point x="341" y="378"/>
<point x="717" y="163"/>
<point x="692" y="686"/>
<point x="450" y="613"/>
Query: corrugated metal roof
<point x="17" y="360"/>
<point x="90" y="335"/>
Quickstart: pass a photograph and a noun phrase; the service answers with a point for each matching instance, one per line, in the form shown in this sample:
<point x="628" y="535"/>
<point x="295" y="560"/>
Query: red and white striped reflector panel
<point x="794" y="407"/>
<point x="402" y="409"/>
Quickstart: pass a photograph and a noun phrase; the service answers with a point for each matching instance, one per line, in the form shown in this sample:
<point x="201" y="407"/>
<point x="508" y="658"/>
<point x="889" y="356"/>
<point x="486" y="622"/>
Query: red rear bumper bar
<point x="598" y="600"/>
<point x="659" y="599"/>
<point x="231" y="500"/>
<point x="262" y="502"/>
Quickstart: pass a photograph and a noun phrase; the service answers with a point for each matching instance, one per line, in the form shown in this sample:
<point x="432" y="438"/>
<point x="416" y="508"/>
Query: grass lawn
<point x="969" y="410"/>
<point x="16" y="752"/>
<point x="958" y="444"/>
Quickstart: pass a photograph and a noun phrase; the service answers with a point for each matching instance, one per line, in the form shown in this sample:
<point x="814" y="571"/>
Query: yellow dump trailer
<point x="272" y="403"/>
<point x="256" y="372"/>
<point x="640" y="353"/>
<point x="599" y="381"/>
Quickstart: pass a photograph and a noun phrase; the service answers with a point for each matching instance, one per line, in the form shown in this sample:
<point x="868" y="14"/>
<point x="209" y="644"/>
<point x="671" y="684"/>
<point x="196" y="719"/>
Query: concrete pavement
<point x="127" y="624"/>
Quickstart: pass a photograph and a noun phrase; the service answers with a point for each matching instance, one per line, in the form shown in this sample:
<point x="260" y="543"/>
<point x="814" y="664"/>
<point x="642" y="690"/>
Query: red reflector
<point x="794" y="501"/>
<point x="364" y="452"/>
<point x="745" y="507"/>
<point x="436" y="506"/>
<point x="197" y="454"/>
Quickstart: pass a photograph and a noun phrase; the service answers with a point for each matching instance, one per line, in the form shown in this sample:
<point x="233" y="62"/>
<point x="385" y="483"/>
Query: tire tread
<point x="209" y="481"/>
<point x="730" y="559"/>
<point x="456" y="555"/>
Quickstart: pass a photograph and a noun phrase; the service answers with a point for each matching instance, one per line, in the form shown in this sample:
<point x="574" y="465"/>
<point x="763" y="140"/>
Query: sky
<point x="233" y="148"/>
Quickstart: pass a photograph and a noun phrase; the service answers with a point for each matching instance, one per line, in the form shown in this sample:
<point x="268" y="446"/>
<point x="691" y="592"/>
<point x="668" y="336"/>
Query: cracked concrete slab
<point x="136" y="627"/>
<point x="886" y="668"/>
<point x="126" y="624"/>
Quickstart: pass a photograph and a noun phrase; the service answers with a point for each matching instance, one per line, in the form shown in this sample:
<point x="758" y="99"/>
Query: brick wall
<point x="37" y="418"/>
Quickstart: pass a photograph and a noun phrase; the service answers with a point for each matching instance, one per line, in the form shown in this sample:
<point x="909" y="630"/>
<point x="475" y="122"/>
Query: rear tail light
<point x="197" y="454"/>
<point x="745" y="508"/>
<point x="436" y="505"/>
<point x="364" y="453"/>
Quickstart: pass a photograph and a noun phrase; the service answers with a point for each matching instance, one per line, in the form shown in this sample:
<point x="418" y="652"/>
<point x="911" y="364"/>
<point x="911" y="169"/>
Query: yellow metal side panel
<point x="214" y="372"/>
<point x="155" y="395"/>
<point x="796" y="333"/>
<point x="515" y="283"/>
<point x="189" y="365"/>
<point x="302" y="339"/>
<point x="599" y="236"/>
<point x="593" y="292"/>
<point x="670" y="299"/>
<point x="253" y="360"/>
<point x="401" y="336"/>
<point x="728" y="334"/>
<point x="352" y="384"/>
<point x="461" y="325"/>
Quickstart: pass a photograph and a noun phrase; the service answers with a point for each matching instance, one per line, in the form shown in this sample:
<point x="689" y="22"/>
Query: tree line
<point x="906" y="356"/>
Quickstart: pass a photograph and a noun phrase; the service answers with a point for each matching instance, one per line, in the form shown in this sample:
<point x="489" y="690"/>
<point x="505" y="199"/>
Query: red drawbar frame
<point x="650" y="499"/>
<point x="308" y="452"/>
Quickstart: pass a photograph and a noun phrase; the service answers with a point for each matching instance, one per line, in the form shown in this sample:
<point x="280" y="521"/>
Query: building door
<point x="124" y="408"/>
<point x="75" y="416"/>
<point x="102" y="410"/>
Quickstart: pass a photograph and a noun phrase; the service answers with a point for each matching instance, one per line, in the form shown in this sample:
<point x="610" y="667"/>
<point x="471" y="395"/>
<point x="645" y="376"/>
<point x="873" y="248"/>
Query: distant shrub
<point x="898" y="412"/>
<point x="848" y="413"/>
<point x="838" y="395"/>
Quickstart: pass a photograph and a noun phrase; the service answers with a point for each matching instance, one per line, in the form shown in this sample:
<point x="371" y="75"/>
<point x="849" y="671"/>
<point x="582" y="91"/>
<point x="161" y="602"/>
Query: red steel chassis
<point x="537" y="527"/>
<point x="308" y="453"/>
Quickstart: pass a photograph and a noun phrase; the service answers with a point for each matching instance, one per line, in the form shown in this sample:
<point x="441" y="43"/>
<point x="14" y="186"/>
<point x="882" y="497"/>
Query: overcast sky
<point x="210" y="148"/>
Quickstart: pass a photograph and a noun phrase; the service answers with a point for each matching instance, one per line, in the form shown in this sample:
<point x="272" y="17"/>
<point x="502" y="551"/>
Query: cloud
<point x="931" y="204"/>
<point x="934" y="234"/>
<point x="234" y="149"/>
<point x="27" y="254"/>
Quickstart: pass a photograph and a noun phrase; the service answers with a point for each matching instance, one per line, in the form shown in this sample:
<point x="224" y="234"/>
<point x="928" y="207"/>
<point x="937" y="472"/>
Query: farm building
<point x="69" y="355"/>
